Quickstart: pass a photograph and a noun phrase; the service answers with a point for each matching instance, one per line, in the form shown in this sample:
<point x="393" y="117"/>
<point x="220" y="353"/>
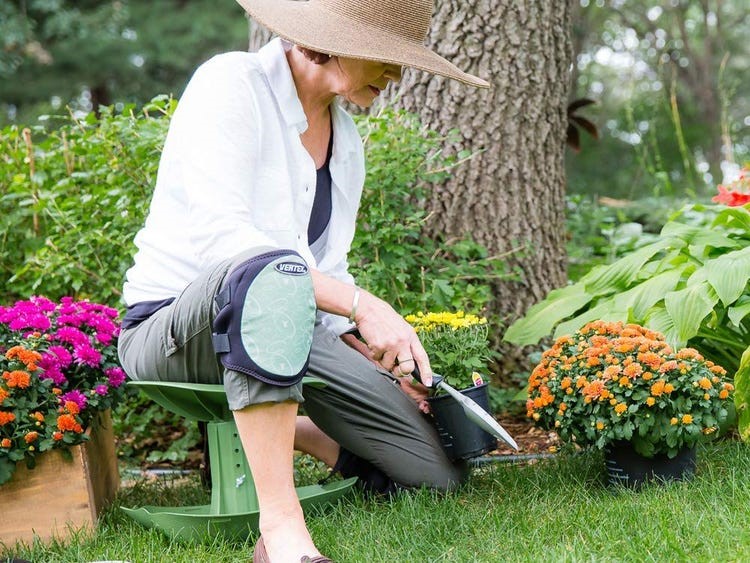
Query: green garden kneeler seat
<point x="233" y="511"/>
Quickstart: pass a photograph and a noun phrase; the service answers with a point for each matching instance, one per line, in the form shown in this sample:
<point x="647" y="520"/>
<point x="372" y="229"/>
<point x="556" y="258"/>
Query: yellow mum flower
<point x="600" y="426"/>
<point x="650" y="401"/>
<point x="621" y="408"/>
<point x="673" y="421"/>
<point x="687" y="419"/>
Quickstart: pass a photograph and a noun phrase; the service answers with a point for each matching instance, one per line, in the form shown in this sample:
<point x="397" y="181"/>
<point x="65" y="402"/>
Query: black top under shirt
<point x="322" y="206"/>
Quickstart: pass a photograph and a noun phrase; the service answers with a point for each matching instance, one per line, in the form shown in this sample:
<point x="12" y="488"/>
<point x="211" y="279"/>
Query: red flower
<point x="731" y="198"/>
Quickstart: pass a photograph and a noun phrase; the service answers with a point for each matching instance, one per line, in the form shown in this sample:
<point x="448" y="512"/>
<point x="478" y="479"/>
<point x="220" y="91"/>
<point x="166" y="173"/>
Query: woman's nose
<point x="393" y="72"/>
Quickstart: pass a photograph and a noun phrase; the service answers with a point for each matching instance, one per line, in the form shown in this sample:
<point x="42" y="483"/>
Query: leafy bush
<point x="391" y="254"/>
<point x="72" y="198"/>
<point x="691" y="284"/>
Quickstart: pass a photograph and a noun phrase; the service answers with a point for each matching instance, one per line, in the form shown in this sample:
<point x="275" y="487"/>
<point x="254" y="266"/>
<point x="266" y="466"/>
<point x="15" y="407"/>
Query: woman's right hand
<point x="392" y="341"/>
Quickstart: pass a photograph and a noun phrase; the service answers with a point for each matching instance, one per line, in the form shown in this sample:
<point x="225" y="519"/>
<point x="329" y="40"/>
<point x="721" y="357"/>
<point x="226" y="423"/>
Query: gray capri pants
<point x="361" y="407"/>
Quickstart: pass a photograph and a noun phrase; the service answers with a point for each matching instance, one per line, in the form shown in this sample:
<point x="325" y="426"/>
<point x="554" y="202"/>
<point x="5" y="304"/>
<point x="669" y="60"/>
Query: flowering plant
<point x="59" y="368"/>
<point x="455" y="342"/>
<point x="611" y="382"/>
<point x="736" y="193"/>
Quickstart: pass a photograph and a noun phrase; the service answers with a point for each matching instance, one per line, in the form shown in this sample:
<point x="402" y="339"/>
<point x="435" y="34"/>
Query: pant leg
<point x="175" y="344"/>
<point x="364" y="410"/>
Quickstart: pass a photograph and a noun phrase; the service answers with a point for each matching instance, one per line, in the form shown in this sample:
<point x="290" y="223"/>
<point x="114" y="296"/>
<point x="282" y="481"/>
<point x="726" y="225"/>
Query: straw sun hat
<point x="390" y="31"/>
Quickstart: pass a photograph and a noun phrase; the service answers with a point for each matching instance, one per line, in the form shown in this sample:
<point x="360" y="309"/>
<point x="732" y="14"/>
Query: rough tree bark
<point x="512" y="193"/>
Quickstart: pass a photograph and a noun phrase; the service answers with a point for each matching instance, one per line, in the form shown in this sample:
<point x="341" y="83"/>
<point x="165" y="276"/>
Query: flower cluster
<point x="736" y="193"/>
<point x="611" y="382"/>
<point x="455" y="342"/>
<point x="59" y="368"/>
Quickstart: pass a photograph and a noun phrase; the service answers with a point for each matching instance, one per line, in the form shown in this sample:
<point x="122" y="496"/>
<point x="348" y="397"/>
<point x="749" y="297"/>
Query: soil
<point x="530" y="439"/>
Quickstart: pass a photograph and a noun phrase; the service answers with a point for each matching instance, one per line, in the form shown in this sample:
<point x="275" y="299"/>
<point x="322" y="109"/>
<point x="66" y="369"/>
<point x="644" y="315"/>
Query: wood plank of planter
<point x="60" y="493"/>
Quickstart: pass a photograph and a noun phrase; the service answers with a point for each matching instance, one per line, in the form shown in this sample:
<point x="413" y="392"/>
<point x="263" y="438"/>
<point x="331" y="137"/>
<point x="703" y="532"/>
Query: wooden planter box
<point x="61" y="494"/>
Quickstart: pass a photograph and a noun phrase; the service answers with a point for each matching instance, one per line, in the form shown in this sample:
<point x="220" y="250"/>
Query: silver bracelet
<point x="355" y="304"/>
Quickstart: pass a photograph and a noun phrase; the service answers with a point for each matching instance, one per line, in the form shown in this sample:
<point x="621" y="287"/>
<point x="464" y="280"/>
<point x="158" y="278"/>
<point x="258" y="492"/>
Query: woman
<point x="241" y="272"/>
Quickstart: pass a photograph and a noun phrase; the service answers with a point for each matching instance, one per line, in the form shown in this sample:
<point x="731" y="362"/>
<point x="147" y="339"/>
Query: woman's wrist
<point x="355" y="306"/>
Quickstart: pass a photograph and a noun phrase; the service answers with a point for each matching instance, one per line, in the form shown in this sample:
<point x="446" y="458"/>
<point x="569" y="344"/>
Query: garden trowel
<point x="473" y="411"/>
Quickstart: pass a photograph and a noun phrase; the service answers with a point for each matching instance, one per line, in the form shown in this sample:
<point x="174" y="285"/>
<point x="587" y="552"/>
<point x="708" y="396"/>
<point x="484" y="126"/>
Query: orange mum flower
<point x="593" y="390"/>
<point x="657" y="388"/>
<point x="624" y="382"/>
<point x="718" y="369"/>
<point x="687" y="418"/>
<point x="705" y="383"/>
<point x="650" y="401"/>
<point x="39" y="417"/>
<point x="728" y="386"/>
<point x="673" y="421"/>
<point x="689" y="354"/>
<point x="668" y="366"/>
<point x="29" y="357"/>
<point x="723" y="394"/>
<point x="668" y="388"/>
<point x="56" y="391"/>
<point x="647" y="376"/>
<point x="5" y="443"/>
<point x="17" y="378"/>
<point x="67" y="422"/>
<point x="566" y="382"/>
<point x="633" y="370"/>
<point x="3" y="395"/>
<point x="621" y="408"/>
<point x="6" y="417"/>
<point x="57" y="436"/>
<point x="31" y="437"/>
<point x="72" y="407"/>
<point x="593" y="361"/>
<point x="563" y="407"/>
<point x="611" y="372"/>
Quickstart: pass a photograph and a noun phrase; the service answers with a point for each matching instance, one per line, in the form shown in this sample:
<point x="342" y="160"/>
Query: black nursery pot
<point x="462" y="438"/>
<point x="628" y="468"/>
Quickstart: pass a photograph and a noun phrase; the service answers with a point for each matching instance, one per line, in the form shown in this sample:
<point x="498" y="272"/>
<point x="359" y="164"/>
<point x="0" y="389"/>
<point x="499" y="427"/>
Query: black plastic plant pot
<point x="462" y="438"/>
<point x="628" y="468"/>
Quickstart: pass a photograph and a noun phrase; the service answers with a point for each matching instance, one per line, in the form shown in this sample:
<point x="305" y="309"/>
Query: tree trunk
<point x="511" y="194"/>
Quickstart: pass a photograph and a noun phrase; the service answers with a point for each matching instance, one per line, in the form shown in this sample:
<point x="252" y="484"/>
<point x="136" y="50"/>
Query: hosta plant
<point x="691" y="284"/>
<point x="611" y="382"/>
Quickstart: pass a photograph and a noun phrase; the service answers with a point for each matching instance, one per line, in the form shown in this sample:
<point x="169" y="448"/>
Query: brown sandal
<point x="260" y="555"/>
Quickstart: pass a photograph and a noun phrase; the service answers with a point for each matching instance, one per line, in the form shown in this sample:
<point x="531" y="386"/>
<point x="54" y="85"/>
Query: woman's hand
<point x="392" y="341"/>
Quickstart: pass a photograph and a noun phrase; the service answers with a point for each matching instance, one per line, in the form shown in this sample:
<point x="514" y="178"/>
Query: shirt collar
<point x="276" y="67"/>
<point x="274" y="63"/>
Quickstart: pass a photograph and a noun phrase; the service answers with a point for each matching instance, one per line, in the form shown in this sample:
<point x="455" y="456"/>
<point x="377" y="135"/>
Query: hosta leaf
<point x="615" y="277"/>
<point x="542" y="317"/>
<point x="738" y="217"/>
<point x="658" y="319"/>
<point x="742" y="395"/>
<point x="605" y="311"/>
<point x="729" y="274"/>
<point x="740" y="310"/>
<point x="698" y="236"/>
<point x="688" y="307"/>
<point x="643" y="296"/>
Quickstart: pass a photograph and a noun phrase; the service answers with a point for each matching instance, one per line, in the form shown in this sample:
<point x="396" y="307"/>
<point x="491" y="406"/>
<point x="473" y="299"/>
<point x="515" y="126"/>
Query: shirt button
<point x="307" y="188"/>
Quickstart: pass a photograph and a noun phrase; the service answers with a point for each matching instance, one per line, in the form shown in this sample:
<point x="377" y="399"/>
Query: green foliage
<point x="690" y="284"/>
<point x="390" y="254"/>
<point x="742" y="396"/>
<point x="72" y="198"/>
<point x="457" y="344"/>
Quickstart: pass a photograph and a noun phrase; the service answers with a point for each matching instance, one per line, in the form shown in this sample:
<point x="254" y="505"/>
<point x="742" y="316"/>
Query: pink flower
<point x="71" y="335"/>
<point x="115" y="375"/>
<point x="86" y="355"/>
<point x="101" y="389"/>
<point x="731" y="198"/>
<point x="63" y="356"/>
<point x="53" y="372"/>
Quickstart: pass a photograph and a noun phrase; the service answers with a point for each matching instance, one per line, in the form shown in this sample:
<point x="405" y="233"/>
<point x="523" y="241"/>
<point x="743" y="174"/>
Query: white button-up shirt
<point x="234" y="175"/>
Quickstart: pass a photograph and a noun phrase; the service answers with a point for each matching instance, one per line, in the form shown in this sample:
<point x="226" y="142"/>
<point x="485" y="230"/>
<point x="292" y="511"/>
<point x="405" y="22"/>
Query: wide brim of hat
<point x="311" y="26"/>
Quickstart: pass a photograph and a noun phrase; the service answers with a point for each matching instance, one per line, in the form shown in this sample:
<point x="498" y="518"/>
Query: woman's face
<point x="360" y="82"/>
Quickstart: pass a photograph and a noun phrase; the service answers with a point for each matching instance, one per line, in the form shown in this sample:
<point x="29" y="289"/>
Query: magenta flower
<point x="115" y="376"/>
<point x="71" y="335"/>
<point x="76" y="396"/>
<point x="86" y="355"/>
<point x="64" y="358"/>
<point x="53" y="372"/>
<point x="101" y="389"/>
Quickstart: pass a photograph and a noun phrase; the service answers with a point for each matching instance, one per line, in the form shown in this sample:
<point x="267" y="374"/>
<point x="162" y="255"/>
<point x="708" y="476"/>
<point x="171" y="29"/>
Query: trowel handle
<point x="436" y="379"/>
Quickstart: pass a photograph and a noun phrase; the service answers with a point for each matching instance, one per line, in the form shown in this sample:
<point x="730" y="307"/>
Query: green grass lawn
<point x="555" y="510"/>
